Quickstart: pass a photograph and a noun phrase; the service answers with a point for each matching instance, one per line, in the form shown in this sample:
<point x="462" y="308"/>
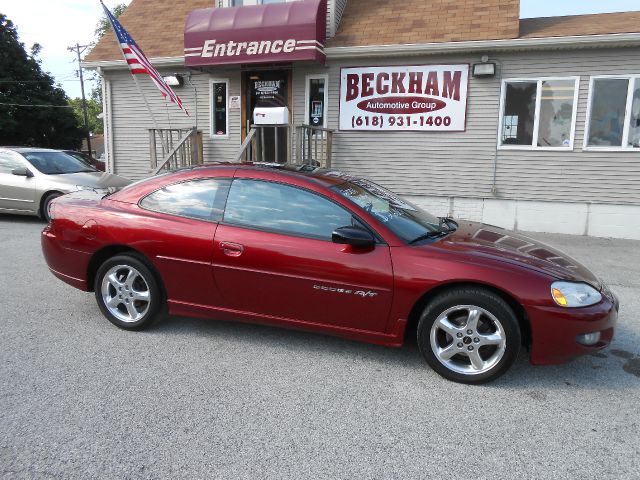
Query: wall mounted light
<point x="175" y="80"/>
<point x="485" y="69"/>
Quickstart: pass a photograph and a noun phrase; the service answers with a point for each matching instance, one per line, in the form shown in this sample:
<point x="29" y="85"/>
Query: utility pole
<point x="79" y="49"/>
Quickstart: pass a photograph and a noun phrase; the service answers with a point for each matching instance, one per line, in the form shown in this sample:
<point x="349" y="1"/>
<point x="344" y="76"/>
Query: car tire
<point x="469" y="335"/>
<point x="128" y="292"/>
<point x="46" y="203"/>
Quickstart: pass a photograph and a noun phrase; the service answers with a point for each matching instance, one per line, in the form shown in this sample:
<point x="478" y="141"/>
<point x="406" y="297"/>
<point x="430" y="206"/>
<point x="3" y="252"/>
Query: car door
<point x="17" y="193"/>
<point x="273" y="256"/>
<point x="177" y="230"/>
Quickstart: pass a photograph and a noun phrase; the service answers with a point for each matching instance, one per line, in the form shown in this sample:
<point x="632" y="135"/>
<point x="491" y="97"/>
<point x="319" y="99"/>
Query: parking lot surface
<point x="188" y="398"/>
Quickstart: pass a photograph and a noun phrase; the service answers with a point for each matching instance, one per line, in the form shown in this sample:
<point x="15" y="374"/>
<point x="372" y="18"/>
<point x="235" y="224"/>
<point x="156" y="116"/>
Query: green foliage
<point x="104" y="25"/>
<point x="22" y="82"/>
<point x="94" y="108"/>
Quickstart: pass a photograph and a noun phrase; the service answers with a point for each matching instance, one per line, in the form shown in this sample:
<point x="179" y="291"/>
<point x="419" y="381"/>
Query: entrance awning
<point x="272" y="33"/>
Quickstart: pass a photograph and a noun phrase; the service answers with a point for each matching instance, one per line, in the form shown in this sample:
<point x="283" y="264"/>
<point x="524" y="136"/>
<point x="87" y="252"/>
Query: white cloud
<point x="57" y="25"/>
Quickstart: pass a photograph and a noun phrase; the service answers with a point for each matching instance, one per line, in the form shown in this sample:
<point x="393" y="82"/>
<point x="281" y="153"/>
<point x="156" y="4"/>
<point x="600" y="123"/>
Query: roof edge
<point x="593" y="41"/>
<point x="597" y="41"/>
<point x="120" y="63"/>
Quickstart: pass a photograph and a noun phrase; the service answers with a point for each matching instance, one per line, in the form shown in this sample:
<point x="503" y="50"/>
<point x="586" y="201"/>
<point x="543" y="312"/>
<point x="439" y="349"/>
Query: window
<point x="538" y="113"/>
<point x="219" y="108"/>
<point x="8" y="163"/>
<point x="316" y="100"/>
<point x="200" y="199"/>
<point x="613" y="120"/>
<point x="283" y="209"/>
<point x="401" y="217"/>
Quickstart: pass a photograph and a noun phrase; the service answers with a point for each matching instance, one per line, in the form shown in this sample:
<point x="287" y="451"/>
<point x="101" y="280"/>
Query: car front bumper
<point x="555" y="330"/>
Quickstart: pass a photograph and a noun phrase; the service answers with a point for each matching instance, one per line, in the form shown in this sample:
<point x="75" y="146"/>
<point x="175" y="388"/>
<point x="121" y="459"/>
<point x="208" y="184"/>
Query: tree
<point x="94" y="108"/>
<point x="102" y="28"/>
<point x="34" y="111"/>
<point x="104" y="25"/>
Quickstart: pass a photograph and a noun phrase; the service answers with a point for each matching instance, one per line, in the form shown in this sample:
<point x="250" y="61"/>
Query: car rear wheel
<point x="127" y="292"/>
<point x="469" y="335"/>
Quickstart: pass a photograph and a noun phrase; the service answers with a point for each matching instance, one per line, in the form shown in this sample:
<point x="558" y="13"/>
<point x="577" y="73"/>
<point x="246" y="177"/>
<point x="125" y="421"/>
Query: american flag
<point x="138" y="63"/>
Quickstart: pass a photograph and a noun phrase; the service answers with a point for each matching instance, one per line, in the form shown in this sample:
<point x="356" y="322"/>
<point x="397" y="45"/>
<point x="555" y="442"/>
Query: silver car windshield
<point x="406" y="220"/>
<point x="56" y="163"/>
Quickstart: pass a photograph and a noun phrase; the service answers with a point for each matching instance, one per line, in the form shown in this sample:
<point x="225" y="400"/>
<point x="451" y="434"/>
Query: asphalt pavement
<point x="192" y="399"/>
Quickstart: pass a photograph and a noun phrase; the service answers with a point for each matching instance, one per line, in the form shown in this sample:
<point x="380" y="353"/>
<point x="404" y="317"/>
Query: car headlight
<point x="573" y="295"/>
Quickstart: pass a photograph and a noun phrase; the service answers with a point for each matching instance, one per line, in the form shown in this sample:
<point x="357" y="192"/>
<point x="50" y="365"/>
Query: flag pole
<point x="135" y="80"/>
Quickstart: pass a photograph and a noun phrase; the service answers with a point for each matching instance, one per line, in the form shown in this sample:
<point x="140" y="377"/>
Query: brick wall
<point x="383" y="22"/>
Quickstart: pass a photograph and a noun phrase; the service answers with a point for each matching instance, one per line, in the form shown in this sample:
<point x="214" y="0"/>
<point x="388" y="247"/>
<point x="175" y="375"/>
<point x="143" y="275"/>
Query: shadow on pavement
<point x="601" y="370"/>
<point x="20" y="219"/>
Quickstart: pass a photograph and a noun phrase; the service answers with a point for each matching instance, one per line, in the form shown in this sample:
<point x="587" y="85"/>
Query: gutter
<point x="517" y="44"/>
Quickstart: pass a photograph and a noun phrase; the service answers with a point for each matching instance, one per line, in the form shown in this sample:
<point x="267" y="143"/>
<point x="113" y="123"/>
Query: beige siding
<point x="131" y="119"/>
<point x="461" y="164"/>
<point x="335" y="9"/>
<point x="419" y="163"/>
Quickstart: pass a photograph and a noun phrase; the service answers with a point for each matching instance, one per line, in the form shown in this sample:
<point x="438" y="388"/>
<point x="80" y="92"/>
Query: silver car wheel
<point x="125" y="293"/>
<point x="468" y="339"/>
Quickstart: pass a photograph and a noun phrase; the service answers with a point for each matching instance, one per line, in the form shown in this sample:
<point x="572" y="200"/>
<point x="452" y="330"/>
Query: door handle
<point x="231" y="249"/>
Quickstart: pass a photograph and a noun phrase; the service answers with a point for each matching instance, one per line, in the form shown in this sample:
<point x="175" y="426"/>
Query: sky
<point x="58" y="24"/>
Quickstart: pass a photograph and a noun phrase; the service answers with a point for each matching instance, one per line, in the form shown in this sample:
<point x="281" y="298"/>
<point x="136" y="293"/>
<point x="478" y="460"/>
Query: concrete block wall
<point x="598" y="220"/>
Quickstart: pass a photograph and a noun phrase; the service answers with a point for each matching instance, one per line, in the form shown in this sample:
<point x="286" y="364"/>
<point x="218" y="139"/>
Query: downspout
<point x="112" y="154"/>
<point x="494" y="185"/>
<point x="195" y="91"/>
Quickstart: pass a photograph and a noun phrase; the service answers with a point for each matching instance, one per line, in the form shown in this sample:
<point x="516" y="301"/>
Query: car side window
<point x="9" y="163"/>
<point x="202" y="199"/>
<point x="283" y="209"/>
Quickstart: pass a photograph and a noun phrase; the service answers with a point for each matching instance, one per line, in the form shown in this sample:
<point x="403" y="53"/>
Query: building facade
<point x="462" y="107"/>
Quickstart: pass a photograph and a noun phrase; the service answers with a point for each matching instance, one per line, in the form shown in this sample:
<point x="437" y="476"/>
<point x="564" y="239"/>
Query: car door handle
<point x="231" y="249"/>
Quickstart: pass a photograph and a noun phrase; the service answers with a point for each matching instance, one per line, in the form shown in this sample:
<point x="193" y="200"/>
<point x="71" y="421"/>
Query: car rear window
<point x="201" y="199"/>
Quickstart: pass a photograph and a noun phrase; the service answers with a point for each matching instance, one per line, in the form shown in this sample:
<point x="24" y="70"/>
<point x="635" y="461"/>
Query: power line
<point x="35" y="106"/>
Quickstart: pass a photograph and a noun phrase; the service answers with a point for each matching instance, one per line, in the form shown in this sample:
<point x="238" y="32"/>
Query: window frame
<point x="378" y="238"/>
<point x="307" y="94"/>
<point x="627" y="121"/>
<point x="187" y="217"/>
<point x="536" y="119"/>
<point x="212" y="110"/>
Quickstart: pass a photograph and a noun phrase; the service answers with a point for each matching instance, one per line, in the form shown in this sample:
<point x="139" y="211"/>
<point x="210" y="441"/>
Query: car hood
<point x="92" y="179"/>
<point x="486" y="241"/>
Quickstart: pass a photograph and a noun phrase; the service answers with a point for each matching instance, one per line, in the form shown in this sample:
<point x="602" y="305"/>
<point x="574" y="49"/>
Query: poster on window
<point x="401" y="98"/>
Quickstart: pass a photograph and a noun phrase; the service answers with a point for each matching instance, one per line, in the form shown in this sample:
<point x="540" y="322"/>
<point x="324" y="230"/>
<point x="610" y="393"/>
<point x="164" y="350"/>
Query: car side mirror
<point x="354" y="236"/>
<point x="22" y="172"/>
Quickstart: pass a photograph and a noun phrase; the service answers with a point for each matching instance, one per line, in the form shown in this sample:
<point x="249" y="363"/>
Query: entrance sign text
<point x="423" y="98"/>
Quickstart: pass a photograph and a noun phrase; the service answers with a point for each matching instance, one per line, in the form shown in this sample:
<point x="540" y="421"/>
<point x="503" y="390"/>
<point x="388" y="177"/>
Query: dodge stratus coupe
<point x="315" y="249"/>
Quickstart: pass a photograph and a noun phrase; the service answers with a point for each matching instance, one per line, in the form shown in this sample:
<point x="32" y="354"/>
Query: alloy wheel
<point x="125" y="293"/>
<point x="468" y="339"/>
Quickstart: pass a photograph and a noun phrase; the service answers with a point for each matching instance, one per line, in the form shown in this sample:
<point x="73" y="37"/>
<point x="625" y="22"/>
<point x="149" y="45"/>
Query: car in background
<point x="30" y="178"/>
<point x="308" y="248"/>
<point x="98" y="164"/>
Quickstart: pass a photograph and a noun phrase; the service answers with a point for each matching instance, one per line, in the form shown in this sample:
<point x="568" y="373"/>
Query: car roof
<point x="319" y="175"/>
<point x="29" y="149"/>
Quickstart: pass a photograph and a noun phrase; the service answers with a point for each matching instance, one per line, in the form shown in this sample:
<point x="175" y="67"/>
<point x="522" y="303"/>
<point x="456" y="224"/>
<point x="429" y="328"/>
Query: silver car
<point x="30" y="178"/>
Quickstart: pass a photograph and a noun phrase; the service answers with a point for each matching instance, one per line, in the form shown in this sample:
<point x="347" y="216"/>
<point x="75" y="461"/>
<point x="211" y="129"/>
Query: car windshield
<point x="406" y="220"/>
<point x="80" y="157"/>
<point x="56" y="163"/>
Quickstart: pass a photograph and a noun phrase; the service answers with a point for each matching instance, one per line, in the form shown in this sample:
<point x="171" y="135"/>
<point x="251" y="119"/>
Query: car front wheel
<point x="46" y="205"/>
<point x="469" y="335"/>
<point x="127" y="292"/>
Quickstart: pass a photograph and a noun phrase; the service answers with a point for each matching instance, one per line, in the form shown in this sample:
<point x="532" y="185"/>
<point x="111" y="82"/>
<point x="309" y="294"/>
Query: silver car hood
<point x="90" y="179"/>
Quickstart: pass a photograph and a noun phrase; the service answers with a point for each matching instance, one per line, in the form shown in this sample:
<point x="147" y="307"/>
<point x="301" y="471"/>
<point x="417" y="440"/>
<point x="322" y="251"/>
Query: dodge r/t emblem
<point x="346" y="291"/>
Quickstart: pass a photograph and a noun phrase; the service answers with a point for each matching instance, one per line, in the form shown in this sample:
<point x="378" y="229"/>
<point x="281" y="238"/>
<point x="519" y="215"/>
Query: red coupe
<point x="315" y="249"/>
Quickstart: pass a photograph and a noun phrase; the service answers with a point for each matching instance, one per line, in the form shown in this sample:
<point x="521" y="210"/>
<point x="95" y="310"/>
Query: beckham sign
<point x="418" y="98"/>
